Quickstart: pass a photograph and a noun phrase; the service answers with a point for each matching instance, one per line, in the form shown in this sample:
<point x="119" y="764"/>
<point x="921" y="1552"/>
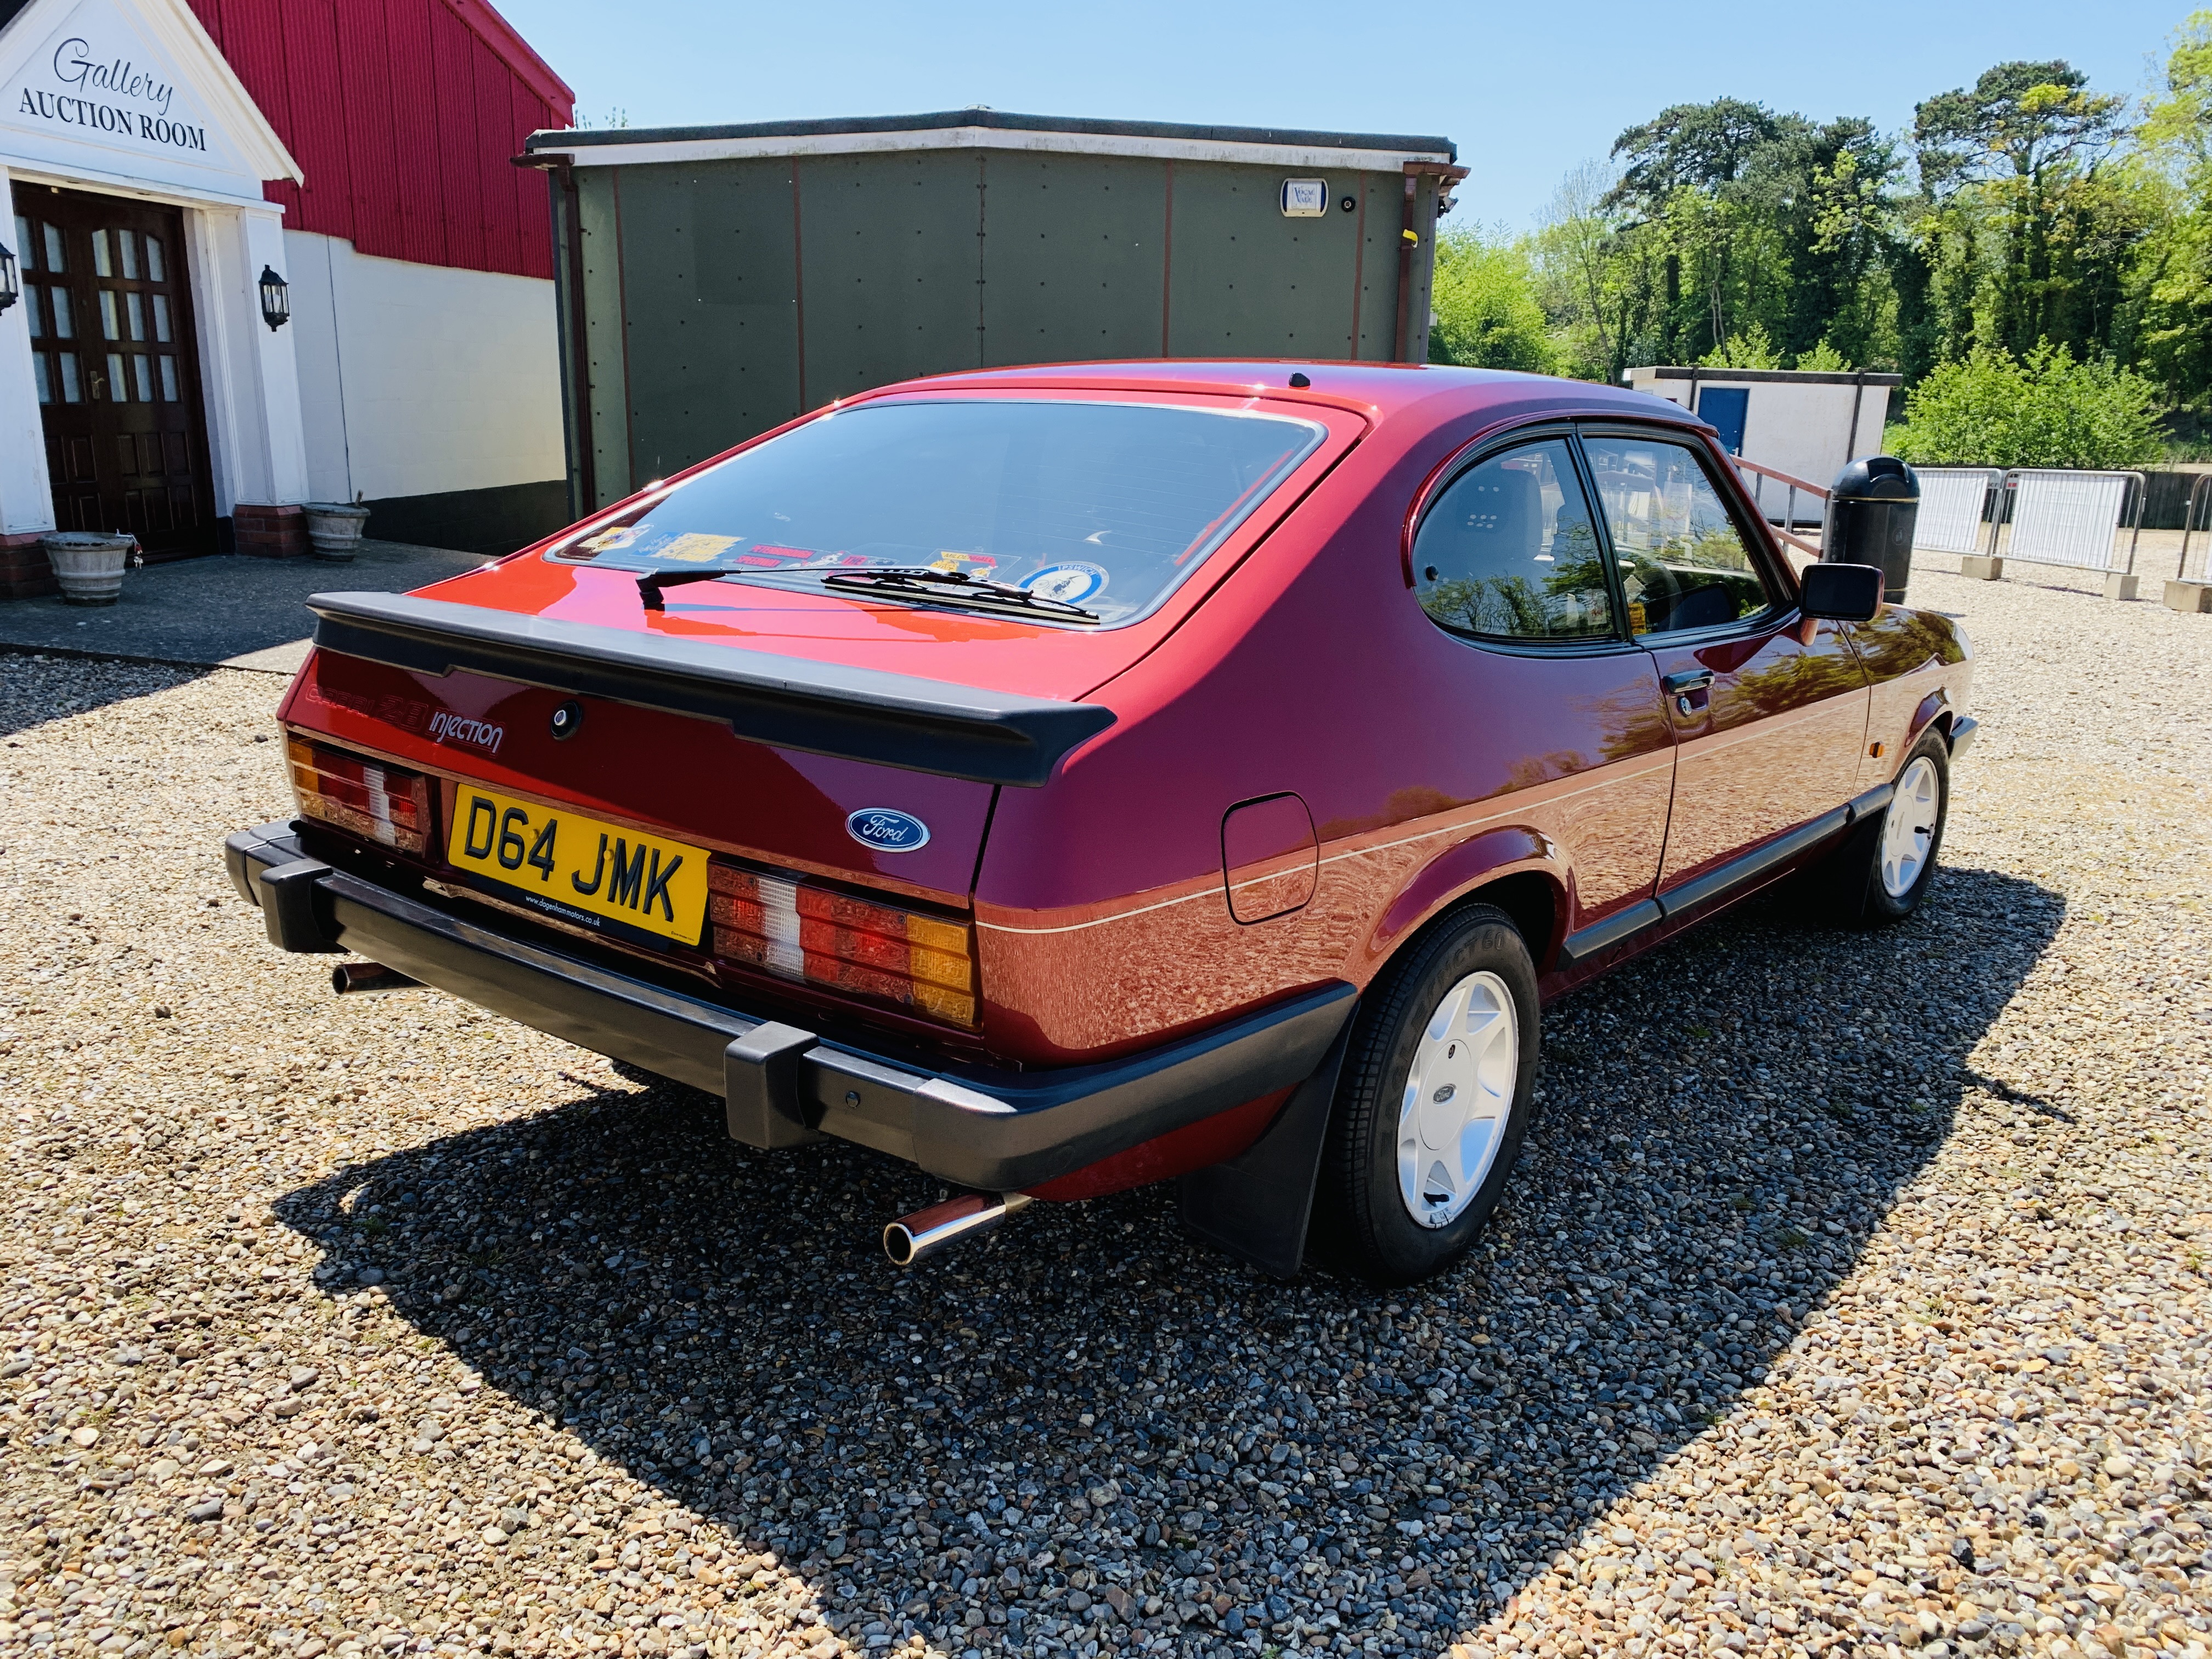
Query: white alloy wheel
<point x="1458" y="1092"/>
<point x="1909" y="829"/>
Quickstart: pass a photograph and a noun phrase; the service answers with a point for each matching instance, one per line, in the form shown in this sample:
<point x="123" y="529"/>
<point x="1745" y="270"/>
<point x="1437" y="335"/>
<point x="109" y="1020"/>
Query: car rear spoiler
<point x="789" y="703"/>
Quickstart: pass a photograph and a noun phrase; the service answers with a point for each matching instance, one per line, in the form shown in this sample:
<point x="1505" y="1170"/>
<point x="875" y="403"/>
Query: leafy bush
<point x="1488" y="315"/>
<point x="1753" y="348"/>
<point x="1991" y="409"/>
<point x="1823" y="359"/>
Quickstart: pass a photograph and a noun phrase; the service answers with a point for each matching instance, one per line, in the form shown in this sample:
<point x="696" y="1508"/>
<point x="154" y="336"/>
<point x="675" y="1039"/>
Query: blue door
<point x="1725" y="406"/>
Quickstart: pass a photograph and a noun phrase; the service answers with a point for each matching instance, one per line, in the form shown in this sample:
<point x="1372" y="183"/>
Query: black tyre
<point x="1882" y="871"/>
<point x="1432" y="1103"/>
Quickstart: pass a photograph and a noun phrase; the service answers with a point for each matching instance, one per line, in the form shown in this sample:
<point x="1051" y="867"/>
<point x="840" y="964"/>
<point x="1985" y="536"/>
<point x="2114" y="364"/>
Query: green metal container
<point x="716" y="282"/>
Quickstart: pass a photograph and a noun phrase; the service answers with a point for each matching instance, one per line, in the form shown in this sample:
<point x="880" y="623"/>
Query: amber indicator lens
<point x="387" y="804"/>
<point x="817" y="935"/>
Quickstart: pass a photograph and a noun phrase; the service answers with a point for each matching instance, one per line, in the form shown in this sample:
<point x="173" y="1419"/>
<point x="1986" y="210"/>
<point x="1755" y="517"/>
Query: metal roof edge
<point x="1793" y="376"/>
<point x="506" y="41"/>
<point x="1002" y="120"/>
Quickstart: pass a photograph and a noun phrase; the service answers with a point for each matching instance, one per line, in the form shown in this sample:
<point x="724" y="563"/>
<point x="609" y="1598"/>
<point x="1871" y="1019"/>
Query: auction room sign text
<point x="110" y="93"/>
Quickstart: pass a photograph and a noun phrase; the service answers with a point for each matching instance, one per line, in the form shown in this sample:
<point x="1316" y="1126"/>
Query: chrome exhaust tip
<point x="353" y="978"/>
<point x="912" y="1237"/>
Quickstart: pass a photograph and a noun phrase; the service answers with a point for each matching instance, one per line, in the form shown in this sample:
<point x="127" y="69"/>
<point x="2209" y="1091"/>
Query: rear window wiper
<point x="923" y="579"/>
<point x="956" y="584"/>
<point x="650" y="584"/>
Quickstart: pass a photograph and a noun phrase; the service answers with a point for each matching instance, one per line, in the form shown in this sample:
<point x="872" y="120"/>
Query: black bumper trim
<point x="1725" y="880"/>
<point x="1965" y="728"/>
<point x="823" y="708"/>
<point x="1617" y="928"/>
<point x="996" y="1131"/>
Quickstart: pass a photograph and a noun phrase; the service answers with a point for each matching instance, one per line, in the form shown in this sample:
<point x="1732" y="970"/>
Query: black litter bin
<point x="1872" y="509"/>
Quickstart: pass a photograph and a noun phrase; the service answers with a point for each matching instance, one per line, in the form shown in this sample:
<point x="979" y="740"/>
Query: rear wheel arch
<point x="1531" y="900"/>
<point x="1516" y="869"/>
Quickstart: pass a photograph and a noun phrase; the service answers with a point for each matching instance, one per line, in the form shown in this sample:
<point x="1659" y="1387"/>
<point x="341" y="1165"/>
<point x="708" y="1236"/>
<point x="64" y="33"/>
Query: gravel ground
<point x="1853" y="1295"/>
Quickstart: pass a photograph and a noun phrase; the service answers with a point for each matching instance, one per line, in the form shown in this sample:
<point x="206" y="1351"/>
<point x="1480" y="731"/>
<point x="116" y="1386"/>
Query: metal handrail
<point x="1788" y="502"/>
<point x="2008" y="493"/>
<point x="1780" y="476"/>
<point x="2189" y="523"/>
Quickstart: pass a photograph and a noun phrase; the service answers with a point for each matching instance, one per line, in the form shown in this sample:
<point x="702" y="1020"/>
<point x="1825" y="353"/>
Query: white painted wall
<point x="419" y="380"/>
<point x="27" y="502"/>
<point x="249" y="375"/>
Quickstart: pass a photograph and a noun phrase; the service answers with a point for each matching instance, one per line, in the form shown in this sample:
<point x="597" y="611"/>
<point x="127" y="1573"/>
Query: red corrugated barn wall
<point x="403" y="114"/>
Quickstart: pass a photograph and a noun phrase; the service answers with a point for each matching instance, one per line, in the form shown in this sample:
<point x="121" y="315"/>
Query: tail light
<point x="819" y="936"/>
<point x="388" y="804"/>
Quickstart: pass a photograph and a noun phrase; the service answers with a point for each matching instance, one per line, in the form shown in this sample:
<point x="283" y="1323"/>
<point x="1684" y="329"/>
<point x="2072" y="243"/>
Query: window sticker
<point x="607" y="541"/>
<point x="692" y="548"/>
<point x="975" y="564"/>
<point x="767" y="555"/>
<point x="1071" y="583"/>
<point x="970" y="563"/>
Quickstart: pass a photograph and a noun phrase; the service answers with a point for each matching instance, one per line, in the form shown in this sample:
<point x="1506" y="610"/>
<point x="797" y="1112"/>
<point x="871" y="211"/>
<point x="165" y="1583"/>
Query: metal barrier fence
<point x="2058" y="516"/>
<point x="2067" y="518"/>
<point x="2197" y="494"/>
<point x="1953" y="501"/>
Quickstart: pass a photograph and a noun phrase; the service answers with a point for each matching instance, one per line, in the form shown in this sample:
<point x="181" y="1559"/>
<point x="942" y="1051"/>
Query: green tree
<point x="1576" y="277"/>
<point x="2021" y="214"/>
<point x="2030" y="246"/>
<point x="2175" y="262"/>
<point x="1488" y="315"/>
<point x="1733" y="217"/>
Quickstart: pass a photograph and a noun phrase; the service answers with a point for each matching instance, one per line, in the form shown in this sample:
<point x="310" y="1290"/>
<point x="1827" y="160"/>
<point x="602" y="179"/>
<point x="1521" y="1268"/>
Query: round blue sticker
<point x="888" y="829"/>
<point x="1071" y="583"/>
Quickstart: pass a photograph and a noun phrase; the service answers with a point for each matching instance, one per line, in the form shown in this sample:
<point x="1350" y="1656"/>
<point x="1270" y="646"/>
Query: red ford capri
<point x="1070" y="778"/>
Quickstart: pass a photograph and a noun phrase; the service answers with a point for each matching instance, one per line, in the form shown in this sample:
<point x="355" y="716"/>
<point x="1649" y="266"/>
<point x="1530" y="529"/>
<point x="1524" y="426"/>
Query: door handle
<point x="1690" y="679"/>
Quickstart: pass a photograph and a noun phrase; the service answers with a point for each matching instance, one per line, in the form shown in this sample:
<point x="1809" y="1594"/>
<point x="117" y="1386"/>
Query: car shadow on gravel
<point x="1722" y="1126"/>
<point x="37" y="690"/>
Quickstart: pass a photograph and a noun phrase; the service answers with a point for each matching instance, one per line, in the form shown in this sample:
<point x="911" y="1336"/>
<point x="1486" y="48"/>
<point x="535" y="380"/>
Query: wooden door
<point x="117" y="368"/>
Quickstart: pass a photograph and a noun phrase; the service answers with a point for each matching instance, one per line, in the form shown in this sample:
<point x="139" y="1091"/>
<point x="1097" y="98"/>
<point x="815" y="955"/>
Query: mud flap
<point x="1256" y="1205"/>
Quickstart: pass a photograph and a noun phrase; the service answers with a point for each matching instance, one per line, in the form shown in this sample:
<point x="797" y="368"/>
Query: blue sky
<point x="1525" y="90"/>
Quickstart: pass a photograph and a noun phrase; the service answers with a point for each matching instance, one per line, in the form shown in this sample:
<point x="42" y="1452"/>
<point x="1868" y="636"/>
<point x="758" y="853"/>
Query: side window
<point x="1683" y="563"/>
<point x="1509" y="551"/>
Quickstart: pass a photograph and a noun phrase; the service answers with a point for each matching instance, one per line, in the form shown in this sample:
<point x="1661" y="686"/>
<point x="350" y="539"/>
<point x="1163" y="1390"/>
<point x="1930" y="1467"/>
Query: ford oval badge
<point x="888" y="829"/>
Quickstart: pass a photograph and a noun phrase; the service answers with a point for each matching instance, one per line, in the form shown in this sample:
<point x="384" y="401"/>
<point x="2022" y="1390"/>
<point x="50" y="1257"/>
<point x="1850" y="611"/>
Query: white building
<point x="1808" y="424"/>
<point x="162" y="160"/>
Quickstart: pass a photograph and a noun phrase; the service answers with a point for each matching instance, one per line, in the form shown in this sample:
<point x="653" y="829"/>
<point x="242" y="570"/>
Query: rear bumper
<point x="1964" y="730"/>
<point x="997" y="1131"/>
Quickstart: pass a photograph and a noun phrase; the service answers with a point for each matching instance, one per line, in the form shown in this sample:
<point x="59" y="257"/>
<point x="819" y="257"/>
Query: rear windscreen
<point x="1103" y="505"/>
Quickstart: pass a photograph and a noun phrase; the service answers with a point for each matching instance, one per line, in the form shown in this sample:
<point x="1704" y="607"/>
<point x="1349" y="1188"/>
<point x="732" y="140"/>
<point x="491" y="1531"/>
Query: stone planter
<point x="334" y="529"/>
<point x="89" y="565"/>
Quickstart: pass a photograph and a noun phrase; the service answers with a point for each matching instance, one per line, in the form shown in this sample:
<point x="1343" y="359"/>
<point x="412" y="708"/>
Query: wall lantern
<point x="11" y="278"/>
<point x="275" y="300"/>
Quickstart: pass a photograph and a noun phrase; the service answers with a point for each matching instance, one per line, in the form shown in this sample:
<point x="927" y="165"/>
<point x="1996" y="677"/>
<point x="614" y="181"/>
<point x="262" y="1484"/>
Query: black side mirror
<point x="1840" y="593"/>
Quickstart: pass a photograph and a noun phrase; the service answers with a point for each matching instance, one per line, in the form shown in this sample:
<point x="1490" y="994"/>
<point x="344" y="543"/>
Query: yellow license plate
<point x="579" y="869"/>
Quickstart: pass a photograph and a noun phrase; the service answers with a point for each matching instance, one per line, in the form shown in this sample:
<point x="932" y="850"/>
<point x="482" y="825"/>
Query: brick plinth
<point x="24" y="572"/>
<point x="269" y="532"/>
